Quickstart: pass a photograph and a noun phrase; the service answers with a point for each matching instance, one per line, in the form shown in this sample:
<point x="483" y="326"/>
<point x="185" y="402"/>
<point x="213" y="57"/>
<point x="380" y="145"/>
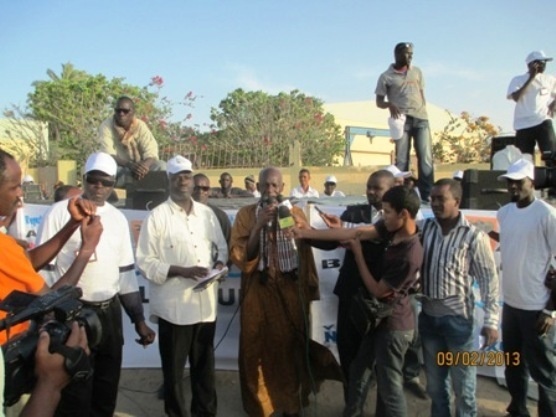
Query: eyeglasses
<point x="201" y="188"/>
<point x="120" y="110"/>
<point x="95" y="180"/>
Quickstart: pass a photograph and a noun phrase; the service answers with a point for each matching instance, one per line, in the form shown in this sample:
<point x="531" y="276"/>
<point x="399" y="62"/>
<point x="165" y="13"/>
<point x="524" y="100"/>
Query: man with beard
<point x="403" y="85"/>
<point x="179" y="243"/>
<point x="535" y="96"/>
<point x="278" y="364"/>
<point x="107" y="282"/>
<point x="527" y="246"/>
<point x="130" y="142"/>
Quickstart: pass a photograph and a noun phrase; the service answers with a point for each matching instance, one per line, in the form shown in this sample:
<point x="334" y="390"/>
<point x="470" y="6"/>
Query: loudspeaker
<point x="148" y="192"/>
<point x="497" y="143"/>
<point x="483" y="191"/>
<point x="147" y="200"/>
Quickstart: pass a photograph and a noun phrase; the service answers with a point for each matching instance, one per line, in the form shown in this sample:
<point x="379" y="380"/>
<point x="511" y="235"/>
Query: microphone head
<point x="283" y="212"/>
<point x="285" y="219"/>
<point x="280" y="198"/>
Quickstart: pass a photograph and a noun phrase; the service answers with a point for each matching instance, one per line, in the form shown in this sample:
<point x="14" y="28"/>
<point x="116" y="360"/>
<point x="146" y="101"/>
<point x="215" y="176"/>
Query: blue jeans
<point x="448" y="334"/>
<point x="418" y="130"/>
<point x="387" y="349"/>
<point x="536" y="357"/>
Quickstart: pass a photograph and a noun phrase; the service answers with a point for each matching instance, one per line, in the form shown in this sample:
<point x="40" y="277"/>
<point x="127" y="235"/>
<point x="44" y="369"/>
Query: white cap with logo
<point x="101" y="161"/>
<point x="331" y="179"/>
<point x="178" y="164"/>
<point x="520" y="169"/>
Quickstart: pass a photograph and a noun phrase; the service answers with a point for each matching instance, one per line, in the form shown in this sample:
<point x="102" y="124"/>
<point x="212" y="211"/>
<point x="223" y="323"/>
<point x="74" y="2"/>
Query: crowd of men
<point x="393" y="256"/>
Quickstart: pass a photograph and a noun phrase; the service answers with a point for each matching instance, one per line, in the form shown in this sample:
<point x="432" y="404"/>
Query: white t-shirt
<point x="298" y="192"/>
<point x="110" y="270"/>
<point x="527" y="246"/>
<point x="532" y="107"/>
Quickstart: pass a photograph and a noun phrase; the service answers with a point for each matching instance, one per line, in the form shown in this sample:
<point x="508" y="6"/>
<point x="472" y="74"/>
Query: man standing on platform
<point x="403" y="84"/>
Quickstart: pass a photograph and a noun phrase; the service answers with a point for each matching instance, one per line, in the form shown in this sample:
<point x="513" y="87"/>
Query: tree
<point x="75" y="103"/>
<point x="465" y="140"/>
<point x="254" y="120"/>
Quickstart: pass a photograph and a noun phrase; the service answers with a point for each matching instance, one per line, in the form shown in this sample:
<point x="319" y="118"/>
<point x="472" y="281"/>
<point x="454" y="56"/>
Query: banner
<point x="323" y="320"/>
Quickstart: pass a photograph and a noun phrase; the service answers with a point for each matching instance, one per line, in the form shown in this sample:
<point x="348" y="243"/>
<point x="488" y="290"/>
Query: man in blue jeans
<point x="404" y="86"/>
<point x="456" y="254"/>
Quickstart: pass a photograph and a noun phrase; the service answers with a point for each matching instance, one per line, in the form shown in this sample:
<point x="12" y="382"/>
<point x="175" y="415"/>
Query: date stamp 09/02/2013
<point x="478" y="358"/>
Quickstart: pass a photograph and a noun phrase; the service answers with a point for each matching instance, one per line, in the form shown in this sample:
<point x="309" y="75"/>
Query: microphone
<point x="285" y="221"/>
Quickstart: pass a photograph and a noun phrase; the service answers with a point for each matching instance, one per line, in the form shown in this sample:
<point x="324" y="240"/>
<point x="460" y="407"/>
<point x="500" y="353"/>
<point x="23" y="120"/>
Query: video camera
<point x="53" y="312"/>
<point x="545" y="177"/>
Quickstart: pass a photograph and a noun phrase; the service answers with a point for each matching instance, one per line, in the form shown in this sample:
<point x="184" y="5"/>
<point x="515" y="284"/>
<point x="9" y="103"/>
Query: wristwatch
<point x="549" y="313"/>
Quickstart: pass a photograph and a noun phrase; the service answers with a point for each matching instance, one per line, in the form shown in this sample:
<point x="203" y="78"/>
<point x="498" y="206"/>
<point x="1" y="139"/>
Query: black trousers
<point x="97" y="396"/>
<point x="348" y="338"/>
<point x="542" y="134"/>
<point x="177" y="344"/>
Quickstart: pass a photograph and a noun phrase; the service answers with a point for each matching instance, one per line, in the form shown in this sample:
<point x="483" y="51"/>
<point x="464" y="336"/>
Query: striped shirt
<point x="451" y="265"/>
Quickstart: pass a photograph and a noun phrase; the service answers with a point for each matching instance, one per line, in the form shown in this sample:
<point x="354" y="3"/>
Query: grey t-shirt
<point x="403" y="89"/>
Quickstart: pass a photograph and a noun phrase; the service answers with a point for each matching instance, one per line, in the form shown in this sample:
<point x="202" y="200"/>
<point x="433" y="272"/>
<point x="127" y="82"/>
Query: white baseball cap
<point x="103" y="162"/>
<point x="178" y="164"/>
<point x="396" y="126"/>
<point x="331" y="178"/>
<point x="396" y="172"/>
<point x="28" y="178"/>
<point x="537" y="56"/>
<point x="458" y="175"/>
<point x="520" y="169"/>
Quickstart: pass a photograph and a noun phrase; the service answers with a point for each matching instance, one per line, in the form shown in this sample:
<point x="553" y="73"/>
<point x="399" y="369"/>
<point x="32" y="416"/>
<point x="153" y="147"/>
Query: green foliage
<point x="75" y="103"/>
<point x="464" y="140"/>
<point x="254" y="120"/>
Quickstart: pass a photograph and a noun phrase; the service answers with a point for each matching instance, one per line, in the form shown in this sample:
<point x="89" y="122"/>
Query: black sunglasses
<point x="95" y="180"/>
<point x="201" y="188"/>
<point x="124" y="111"/>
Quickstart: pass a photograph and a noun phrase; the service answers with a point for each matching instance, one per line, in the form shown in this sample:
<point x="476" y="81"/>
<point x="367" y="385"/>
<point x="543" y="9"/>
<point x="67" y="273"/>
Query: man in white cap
<point x="108" y="280"/>
<point x="179" y="243"/>
<point x="330" y="187"/>
<point x="527" y="245"/>
<point x="534" y="93"/>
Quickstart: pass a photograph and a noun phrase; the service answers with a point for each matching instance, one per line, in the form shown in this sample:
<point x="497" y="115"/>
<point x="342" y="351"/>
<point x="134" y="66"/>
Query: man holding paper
<point x="181" y="244"/>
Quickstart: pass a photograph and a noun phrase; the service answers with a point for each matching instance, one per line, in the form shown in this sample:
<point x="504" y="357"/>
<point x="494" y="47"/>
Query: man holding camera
<point x="534" y="94"/>
<point x="108" y="279"/>
<point x="18" y="272"/>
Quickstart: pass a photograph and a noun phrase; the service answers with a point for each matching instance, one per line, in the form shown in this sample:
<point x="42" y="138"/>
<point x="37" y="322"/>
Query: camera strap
<point x="76" y="361"/>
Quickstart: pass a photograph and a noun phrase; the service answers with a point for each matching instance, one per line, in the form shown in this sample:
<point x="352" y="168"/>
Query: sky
<point x="334" y="50"/>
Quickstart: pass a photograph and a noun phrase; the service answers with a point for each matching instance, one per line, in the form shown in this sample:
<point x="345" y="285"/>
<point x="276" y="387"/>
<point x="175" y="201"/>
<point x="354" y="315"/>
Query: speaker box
<point x="483" y="191"/>
<point x="148" y="192"/>
<point x="497" y="143"/>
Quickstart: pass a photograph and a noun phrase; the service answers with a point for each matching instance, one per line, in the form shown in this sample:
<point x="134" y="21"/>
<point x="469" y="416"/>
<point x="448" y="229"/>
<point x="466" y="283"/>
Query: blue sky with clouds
<point x="334" y="50"/>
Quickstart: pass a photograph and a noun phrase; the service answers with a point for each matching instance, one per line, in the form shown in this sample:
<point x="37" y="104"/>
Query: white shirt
<point x="532" y="107"/>
<point x="300" y="193"/>
<point x="170" y="236"/>
<point x="110" y="270"/>
<point x="527" y="245"/>
<point x="335" y="193"/>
